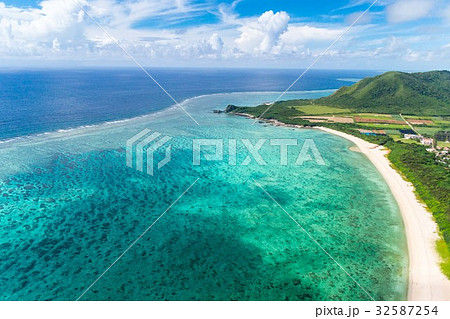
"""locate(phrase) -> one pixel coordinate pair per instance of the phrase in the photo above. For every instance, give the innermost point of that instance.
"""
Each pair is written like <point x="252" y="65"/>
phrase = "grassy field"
<point x="442" y="122"/>
<point x="443" y="144"/>
<point x="320" y="110"/>
<point x="407" y="141"/>
<point x="392" y="132"/>
<point x="377" y="126"/>
<point x="398" y="138"/>
<point x="397" y="117"/>
<point x="374" y="116"/>
<point x="429" y="130"/>
<point x="418" y="117"/>
<point x="443" y="251"/>
<point x="294" y="111"/>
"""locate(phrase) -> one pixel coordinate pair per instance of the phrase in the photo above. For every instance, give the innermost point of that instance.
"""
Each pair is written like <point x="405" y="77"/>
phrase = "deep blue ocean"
<point x="70" y="205"/>
<point x="41" y="101"/>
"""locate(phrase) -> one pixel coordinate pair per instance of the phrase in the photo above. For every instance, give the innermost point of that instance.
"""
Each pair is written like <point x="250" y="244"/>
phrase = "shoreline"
<point x="426" y="282"/>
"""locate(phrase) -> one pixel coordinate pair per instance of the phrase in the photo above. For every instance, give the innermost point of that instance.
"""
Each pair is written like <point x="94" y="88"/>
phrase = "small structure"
<point x="372" y="132"/>
<point x="411" y="137"/>
<point x="427" y="141"/>
<point x="366" y="132"/>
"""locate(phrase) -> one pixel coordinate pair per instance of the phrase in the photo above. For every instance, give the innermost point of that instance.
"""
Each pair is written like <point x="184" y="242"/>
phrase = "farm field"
<point x="443" y="144"/>
<point x="320" y="109"/>
<point x="430" y="131"/>
<point x="391" y="123"/>
<point x="384" y="126"/>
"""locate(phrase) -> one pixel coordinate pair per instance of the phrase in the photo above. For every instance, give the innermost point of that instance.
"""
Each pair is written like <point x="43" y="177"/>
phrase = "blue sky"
<point x="394" y="34"/>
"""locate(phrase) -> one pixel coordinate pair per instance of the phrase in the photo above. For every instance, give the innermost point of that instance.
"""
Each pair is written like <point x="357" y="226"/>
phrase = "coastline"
<point x="426" y="281"/>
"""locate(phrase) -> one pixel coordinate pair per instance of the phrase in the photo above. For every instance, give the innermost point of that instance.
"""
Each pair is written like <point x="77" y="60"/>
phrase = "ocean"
<point x="70" y="206"/>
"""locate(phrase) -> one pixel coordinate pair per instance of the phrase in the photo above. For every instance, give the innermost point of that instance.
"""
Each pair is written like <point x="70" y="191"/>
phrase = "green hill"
<point x="425" y="93"/>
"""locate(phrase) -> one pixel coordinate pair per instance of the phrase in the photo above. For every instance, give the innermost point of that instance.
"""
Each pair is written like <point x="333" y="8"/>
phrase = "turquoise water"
<point x="69" y="206"/>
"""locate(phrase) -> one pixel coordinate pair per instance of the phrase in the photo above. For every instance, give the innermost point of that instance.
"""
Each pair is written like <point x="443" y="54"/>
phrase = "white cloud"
<point x="216" y="43"/>
<point x="363" y="18"/>
<point x="58" y="30"/>
<point x="272" y="35"/>
<point x="205" y="48"/>
<point x="124" y="14"/>
<point x="304" y="34"/>
<point x="56" y="27"/>
<point x="227" y="14"/>
<point x="356" y="3"/>
<point x="31" y="31"/>
<point x="409" y="10"/>
<point x="262" y="35"/>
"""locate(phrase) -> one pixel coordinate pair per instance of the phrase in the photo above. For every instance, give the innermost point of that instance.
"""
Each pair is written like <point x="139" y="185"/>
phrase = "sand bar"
<point x="426" y="281"/>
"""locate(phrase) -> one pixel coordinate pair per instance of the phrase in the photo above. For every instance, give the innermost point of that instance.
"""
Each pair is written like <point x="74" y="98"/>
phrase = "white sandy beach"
<point x="426" y="282"/>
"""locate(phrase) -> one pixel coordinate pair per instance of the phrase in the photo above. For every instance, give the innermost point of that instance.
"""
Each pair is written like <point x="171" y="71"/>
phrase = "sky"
<point x="393" y="34"/>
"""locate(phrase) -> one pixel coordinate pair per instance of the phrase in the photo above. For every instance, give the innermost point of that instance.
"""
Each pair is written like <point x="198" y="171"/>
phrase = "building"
<point x="427" y="141"/>
<point x="411" y="137"/>
<point x="372" y="132"/>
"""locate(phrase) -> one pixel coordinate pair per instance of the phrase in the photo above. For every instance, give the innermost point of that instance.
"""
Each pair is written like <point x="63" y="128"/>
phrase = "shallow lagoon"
<point x="69" y="206"/>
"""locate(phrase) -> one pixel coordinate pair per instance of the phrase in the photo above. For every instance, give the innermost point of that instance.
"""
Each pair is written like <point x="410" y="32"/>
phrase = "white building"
<point x="426" y="141"/>
<point x="411" y="137"/>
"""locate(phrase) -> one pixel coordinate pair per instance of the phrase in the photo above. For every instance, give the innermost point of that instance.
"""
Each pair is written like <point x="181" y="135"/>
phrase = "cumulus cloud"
<point x="58" y="29"/>
<point x="409" y="10"/>
<point x="272" y="34"/>
<point x="262" y="36"/>
<point x="205" y="48"/>
<point x="31" y="31"/>
<point x="216" y="43"/>
<point x="60" y="26"/>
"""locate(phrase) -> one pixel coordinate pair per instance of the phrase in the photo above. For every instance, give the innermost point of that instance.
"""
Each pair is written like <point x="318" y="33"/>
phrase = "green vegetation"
<point x="430" y="179"/>
<point x="407" y="141"/>
<point x="428" y="131"/>
<point x="441" y="121"/>
<point x="397" y="117"/>
<point x="320" y="109"/>
<point x="419" y="117"/>
<point x="375" y="116"/>
<point x="443" y="251"/>
<point x="443" y="144"/>
<point x="390" y="93"/>
<point x="377" y="126"/>
<point x="397" y="92"/>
